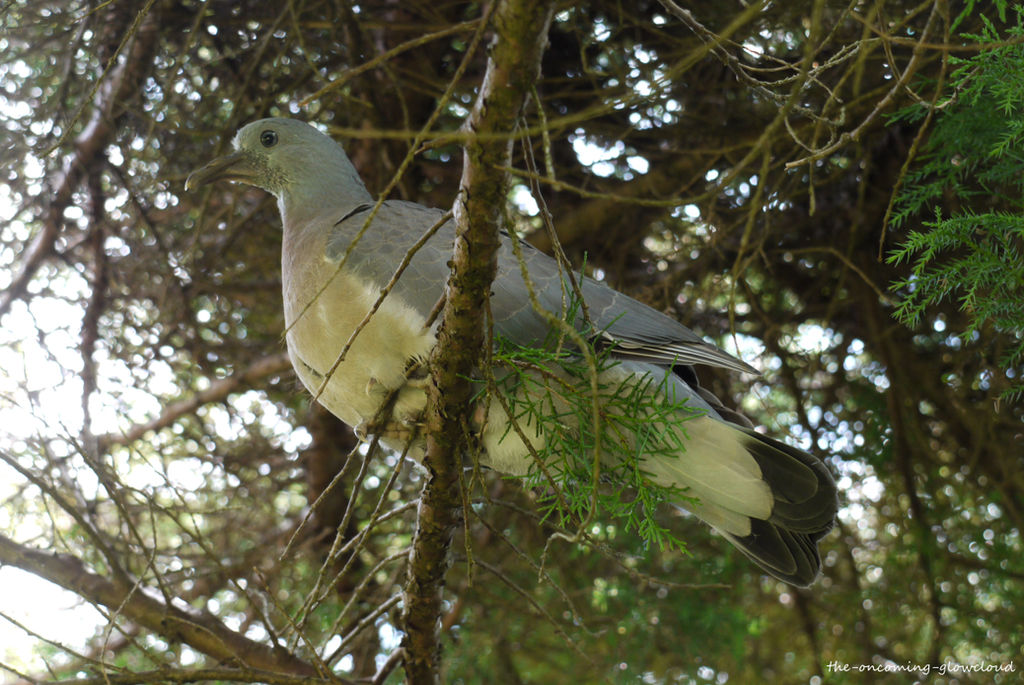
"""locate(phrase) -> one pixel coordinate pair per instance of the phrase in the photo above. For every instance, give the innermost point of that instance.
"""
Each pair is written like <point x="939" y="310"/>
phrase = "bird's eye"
<point x="268" y="138"/>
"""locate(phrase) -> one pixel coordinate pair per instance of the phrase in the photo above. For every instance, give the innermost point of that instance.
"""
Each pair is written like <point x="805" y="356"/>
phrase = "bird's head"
<point x="274" y="154"/>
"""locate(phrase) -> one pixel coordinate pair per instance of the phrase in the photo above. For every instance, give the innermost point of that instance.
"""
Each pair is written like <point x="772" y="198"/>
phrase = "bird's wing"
<point x="395" y="230"/>
<point x="636" y="331"/>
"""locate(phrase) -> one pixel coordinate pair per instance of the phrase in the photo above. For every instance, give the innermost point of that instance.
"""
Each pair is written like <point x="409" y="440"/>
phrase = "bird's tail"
<point x="771" y="500"/>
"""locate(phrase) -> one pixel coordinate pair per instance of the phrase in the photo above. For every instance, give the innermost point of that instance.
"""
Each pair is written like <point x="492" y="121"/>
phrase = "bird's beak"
<point x="234" y="167"/>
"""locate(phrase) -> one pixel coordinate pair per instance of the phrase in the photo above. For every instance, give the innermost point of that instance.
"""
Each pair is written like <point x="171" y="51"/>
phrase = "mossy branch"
<point x="520" y="36"/>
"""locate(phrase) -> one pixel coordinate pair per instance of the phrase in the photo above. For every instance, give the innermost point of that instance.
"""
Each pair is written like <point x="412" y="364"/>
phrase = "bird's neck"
<point x="327" y="188"/>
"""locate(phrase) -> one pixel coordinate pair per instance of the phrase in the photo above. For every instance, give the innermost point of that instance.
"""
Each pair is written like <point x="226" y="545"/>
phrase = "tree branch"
<point x="218" y="390"/>
<point x="200" y="630"/>
<point x="521" y="28"/>
<point x="199" y="675"/>
<point x="124" y="80"/>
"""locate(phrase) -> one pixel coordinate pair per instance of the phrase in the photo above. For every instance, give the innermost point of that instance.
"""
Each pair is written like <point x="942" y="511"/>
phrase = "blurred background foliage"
<point x="784" y="178"/>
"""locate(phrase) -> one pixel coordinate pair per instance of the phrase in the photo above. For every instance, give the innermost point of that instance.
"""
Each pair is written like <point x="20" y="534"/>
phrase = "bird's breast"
<point x="339" y="344"/>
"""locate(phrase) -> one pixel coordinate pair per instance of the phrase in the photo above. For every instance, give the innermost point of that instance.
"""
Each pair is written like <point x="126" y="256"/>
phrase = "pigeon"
<point x="362" y="279"/>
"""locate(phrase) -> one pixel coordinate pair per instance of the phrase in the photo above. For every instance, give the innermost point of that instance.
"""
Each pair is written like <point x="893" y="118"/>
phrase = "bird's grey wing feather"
<point x="396" y="228"/>
<point x="638" y="332"/>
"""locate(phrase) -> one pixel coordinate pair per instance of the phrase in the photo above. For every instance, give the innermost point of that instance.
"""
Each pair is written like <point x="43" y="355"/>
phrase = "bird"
<point x="771" y="500"/>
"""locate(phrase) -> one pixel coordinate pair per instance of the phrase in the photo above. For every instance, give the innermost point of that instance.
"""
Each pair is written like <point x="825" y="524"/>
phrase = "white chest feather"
<point x="323" y="309"/>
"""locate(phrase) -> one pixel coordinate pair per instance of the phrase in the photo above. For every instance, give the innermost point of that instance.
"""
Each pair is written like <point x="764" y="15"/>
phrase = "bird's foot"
<point x="404" y="427"/>
<point x="410" y="400"/>
<point x="395" y="434"/>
